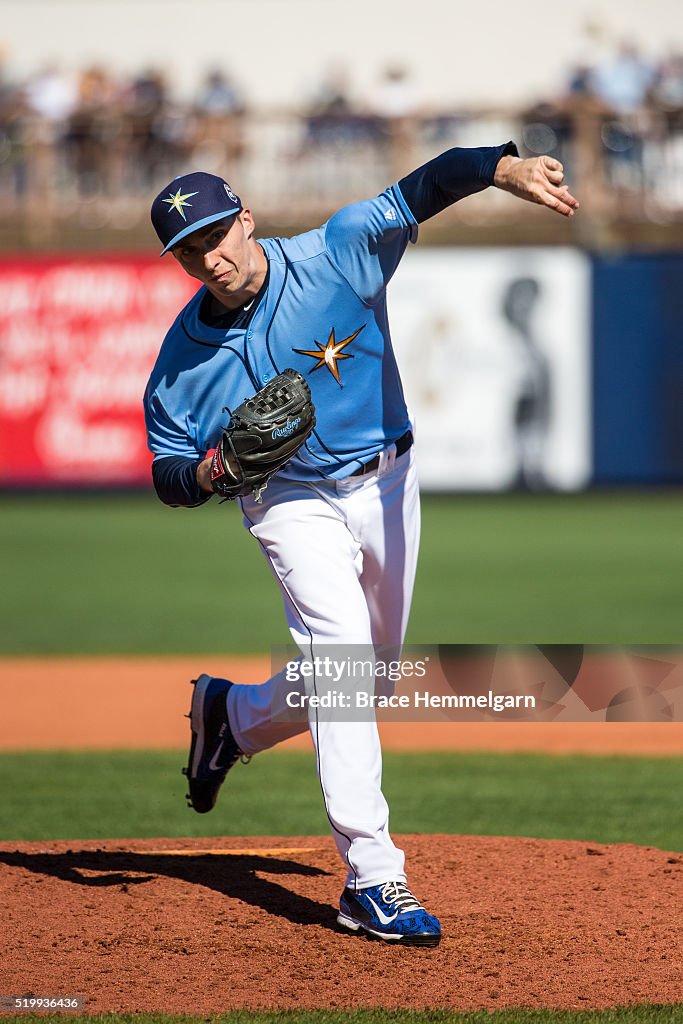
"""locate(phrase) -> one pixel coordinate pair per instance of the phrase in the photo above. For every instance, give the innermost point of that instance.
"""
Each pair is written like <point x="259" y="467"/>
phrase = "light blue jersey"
<point x="324" y="314"/>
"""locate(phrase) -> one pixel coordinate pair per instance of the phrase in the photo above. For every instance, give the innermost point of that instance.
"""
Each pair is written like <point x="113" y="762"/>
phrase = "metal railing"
<point x="99" y="171"/>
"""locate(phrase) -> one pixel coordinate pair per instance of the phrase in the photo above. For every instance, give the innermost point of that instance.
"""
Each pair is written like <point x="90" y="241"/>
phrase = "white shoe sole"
<point x="197" y="719"/>
<point x="355" y="926"/>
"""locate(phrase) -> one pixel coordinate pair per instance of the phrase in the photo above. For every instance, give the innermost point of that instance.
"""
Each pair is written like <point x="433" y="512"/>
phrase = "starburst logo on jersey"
<point x="178" y="202"/>
<point x="328" y="355"/>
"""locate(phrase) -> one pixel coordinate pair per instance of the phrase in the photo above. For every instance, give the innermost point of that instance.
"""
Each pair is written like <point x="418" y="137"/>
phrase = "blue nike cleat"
<point x="213" y="750"/>
<point x="390" y="912"/>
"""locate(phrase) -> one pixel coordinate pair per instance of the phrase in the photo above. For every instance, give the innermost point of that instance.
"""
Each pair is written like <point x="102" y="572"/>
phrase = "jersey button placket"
<point x="257" y="380"/>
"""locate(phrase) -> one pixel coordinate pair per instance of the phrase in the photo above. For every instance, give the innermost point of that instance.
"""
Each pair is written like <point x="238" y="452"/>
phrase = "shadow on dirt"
<point x="238" y="876"/>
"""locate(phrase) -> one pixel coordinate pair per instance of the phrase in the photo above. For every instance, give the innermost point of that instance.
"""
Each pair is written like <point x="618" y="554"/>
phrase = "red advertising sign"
<point x="78" y="338"/>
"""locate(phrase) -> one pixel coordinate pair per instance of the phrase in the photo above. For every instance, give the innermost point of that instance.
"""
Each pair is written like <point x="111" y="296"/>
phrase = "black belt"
<point x="402" y="446"/>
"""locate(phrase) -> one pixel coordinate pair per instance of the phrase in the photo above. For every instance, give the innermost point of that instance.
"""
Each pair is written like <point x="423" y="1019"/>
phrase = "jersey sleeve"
<point x="365" y="241"/>
<point x="175" y="481"/>
<point x="451" y="176"/>
<point x="165" y="436"/>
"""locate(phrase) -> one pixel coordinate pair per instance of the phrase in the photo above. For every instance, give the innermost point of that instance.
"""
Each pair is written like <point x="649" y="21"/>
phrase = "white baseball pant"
<point x="344" y="554"/>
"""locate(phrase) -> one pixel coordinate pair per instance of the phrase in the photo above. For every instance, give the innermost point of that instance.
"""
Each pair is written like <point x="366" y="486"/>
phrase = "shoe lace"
<point x="237" y="756"/>
<point x="399" y="895"/>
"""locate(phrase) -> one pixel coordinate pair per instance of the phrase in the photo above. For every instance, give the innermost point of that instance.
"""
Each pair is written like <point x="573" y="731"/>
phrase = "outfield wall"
<point x="638" y="368"/>
<point x="549" y="369"/>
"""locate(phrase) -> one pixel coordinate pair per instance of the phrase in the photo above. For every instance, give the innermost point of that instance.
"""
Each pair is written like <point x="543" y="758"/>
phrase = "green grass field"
<point x="124" y="574"/>
<point x="127" y="794"/>
<point x="625" y="1015"/>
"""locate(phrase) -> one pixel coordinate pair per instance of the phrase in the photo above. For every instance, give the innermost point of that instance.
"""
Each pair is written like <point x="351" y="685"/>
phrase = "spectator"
<point x="14" y="139"/>
<point x="146" y="102"/>
<point x="579" y="81"/>
<point x="52" y="96"/>
<point x="331" y="97"/>
<point x="90" y="131"/>
<point x="396" y="96"/>
<point x="219" y="96"/>
<point x="219" y="131"/>
<point x="623" y="82"/>
<point x="395" y="102"/>
<point x="667" y="92"/>
<point x="336" y="143"/>
<point x="331" y="119"/>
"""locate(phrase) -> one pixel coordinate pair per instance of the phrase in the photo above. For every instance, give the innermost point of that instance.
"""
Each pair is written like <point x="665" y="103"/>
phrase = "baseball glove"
<point x="262" y="435"/>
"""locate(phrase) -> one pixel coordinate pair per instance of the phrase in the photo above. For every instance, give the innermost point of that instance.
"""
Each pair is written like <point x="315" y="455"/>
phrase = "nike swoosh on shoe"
<point x="380" y="913"/>
<point x="214" y="766"/>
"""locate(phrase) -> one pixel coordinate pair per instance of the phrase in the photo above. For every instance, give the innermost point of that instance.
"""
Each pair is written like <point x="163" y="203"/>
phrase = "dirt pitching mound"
<point x="203" y="926"/>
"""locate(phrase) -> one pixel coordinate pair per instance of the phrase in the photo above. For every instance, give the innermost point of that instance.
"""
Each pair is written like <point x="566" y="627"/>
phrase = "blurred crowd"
<point x="623" y="117"/>
<point x="105" y="130"/>
<point x="617" y="124"/>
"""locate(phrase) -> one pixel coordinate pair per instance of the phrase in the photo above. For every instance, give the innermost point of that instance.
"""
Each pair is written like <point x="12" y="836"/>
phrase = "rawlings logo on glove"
<point x="262" y="435"/>
<point x="288" y="429"/>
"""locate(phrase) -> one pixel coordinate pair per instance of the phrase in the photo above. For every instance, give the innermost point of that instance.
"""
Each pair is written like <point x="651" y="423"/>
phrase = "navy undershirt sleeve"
<point x="451" y="176"/>
<point x="175" y="481"/>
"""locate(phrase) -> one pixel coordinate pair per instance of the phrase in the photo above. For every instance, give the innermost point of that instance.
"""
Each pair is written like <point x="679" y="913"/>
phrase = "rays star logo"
<point x="178" y="202"/>
<point x="329" y="355"/>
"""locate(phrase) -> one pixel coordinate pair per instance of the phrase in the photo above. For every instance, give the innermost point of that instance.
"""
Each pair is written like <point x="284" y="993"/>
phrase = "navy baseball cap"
<point x="191" y="201"/>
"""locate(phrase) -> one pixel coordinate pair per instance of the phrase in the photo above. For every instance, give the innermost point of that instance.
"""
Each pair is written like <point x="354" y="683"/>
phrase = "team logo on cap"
<point x="178" y="202"/>
<point x="230" y="193"/>
<point x="327" y="355"/>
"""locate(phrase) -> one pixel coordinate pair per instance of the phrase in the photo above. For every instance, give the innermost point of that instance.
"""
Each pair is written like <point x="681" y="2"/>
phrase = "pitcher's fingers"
<point x="569" y="199"/>
<point x="554" y="202"/>
<point x="552" y="164"/>
<point x="564" y="195"/>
